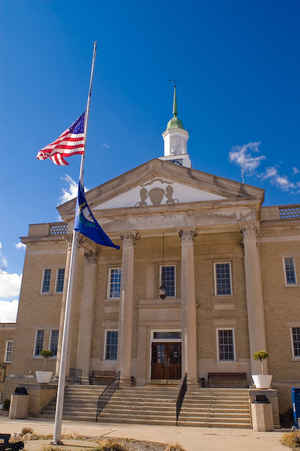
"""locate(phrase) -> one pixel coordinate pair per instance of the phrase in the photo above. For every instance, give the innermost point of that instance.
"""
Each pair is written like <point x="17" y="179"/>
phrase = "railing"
<point x="289" y="212"/>
<point x="105" y="396"/>
<point x="180" y="397"/>
<point x="58" y="229"/>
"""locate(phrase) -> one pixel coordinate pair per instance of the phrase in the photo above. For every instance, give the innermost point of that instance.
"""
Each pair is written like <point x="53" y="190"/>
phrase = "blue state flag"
<point x="86" y="223"/>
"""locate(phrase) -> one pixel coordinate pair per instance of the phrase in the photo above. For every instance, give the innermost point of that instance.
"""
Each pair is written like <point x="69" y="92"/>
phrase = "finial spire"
<point x="174" y="102"/>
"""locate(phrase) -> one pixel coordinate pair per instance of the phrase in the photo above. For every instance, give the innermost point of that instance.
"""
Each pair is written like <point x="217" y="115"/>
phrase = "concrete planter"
<point x="43" y="377"/>
<point x="262" y="380"/>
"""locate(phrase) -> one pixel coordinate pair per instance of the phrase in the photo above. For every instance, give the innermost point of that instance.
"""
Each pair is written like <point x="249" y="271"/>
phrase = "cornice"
<point x="159" y="168"/>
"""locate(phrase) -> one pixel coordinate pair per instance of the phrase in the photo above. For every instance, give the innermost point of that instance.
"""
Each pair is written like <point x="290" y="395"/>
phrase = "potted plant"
<point x="44" y="376"/>
<point x="261" y="380"/>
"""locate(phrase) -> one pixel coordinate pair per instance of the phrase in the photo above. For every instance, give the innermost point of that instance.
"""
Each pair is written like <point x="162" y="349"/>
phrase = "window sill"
<point x="112" y="300"/>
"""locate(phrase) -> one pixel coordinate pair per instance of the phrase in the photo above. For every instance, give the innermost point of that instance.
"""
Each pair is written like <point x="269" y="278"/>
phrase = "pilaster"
<point x="188" y="306"/>
<point x="254" y="294"/>
<point x="127" y="307"/>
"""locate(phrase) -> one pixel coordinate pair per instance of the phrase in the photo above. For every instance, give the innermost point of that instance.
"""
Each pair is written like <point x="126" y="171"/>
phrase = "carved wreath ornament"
<point x="156" y="195"/>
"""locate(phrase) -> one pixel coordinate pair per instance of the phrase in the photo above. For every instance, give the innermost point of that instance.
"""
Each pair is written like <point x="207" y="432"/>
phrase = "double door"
<point x="166" y="360"/>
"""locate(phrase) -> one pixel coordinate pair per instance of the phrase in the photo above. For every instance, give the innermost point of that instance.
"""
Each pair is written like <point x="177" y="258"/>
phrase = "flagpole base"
<point x="56" y="442"/>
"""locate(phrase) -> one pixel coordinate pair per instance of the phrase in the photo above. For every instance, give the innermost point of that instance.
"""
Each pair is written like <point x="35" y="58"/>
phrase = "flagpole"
<point x="70" y="289"/>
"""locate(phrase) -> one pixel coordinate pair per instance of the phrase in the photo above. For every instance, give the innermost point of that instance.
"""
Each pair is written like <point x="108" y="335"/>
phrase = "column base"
<point x="84" y="380"/>
<point x="125" y="381"/>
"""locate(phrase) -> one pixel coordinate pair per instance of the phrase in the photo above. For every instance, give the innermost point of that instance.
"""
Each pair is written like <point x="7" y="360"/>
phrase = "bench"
<point x="5" y="445"/>
<point x="227" y="380"/>
<point x="101" y="377"/>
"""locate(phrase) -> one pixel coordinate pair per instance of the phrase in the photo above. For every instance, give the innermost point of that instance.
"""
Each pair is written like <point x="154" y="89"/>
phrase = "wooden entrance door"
<point x="166" y="361"/>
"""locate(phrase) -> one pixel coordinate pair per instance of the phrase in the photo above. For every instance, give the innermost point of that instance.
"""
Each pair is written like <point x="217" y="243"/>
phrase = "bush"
<point x="110" y="445"/>
<point x="46" y="353"/>
<point x="175" y="447"/>
<point x="291" y="439"/>
<point x="27" y="431"/>
<point x="6" y="404"/>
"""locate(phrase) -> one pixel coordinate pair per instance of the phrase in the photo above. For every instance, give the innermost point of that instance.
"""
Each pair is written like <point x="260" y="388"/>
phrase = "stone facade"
<point x="226" y="224"/>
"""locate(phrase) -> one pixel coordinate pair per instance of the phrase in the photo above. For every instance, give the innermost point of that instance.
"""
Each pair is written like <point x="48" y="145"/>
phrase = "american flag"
<point x="70" y="142"/>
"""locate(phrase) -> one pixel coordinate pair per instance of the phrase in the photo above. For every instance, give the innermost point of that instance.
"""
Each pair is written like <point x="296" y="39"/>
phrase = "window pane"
<point x="39" y="342"/>
<point x="9" y="351"/>
<point x="166" y="335"/>
<point x="226" y="346"/>
<point x="168" y="279"/>
<point x="54" y="341"/>
<point x="296" y="341"/>
<point x="115" y="283"/>
<point x="223" y="279"/>
<point x="60" y="280"/>
<point x="46" y="281"/>
<point x="111" y="349"/>
<point x="290" y="271"/>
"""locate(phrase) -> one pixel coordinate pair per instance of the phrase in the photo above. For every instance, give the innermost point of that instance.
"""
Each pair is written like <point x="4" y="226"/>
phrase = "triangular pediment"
<point x="158" y="191"/>
<point x="158" y="183"/>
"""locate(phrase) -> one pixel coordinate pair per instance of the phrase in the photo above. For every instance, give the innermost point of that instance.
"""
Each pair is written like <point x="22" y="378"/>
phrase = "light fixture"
<point x="162" y="288"/>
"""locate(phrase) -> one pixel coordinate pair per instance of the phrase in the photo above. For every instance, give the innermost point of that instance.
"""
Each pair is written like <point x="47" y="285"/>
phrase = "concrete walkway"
<point x="192" y="439"/>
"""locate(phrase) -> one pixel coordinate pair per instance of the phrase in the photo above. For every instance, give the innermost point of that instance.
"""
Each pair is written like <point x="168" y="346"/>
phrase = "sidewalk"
<point x="192" y="439"/>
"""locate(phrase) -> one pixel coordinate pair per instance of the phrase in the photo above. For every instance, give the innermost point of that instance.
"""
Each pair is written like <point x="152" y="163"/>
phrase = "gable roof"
<point x="210" y="187"/>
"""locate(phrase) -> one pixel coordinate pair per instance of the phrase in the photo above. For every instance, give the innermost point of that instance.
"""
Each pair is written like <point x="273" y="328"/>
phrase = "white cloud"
<point x="20" y="245"/>
<point x="106" y="146"/>
<point x="8" y="311"/>
<point x="3" y="260"/>
<point x="71" y="191"/>
<point x="270" y="173"/>
<point x="284" y="183"/>
<point x="295" y="170"/>
<point x="243" y="157"/>
<point x="281" y="181"/>
<point x="10" y="284"/>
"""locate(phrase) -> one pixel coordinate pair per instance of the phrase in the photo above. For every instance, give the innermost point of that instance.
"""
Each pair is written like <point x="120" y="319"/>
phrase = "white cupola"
<point x="175" y="140"/>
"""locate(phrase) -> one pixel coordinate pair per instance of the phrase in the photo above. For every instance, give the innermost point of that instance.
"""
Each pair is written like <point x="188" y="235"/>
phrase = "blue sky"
<point x="237" y="68"/>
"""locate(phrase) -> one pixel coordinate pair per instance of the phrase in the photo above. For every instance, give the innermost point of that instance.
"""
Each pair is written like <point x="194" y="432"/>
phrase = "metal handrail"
<point x="180" y="397"/>
<point x="106" y="395"/>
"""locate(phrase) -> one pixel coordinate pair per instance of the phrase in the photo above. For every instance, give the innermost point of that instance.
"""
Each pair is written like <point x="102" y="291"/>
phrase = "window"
<point x="60" y="280"/>
<point x="225" y="342"/>
<point x="39" y="342"/>
<point x="114" y="284"/>
<point x="296" y="342"/>
<point x="8" y="357"/>
<point x="111" y="345"/>
<point x="168" y="279"/>
<point x="166" y="335"/>
<point x="46" y="281"/>
<point x="53" y="341"/>
<point x="289" y="271"/>
<point x="223" y="279"/>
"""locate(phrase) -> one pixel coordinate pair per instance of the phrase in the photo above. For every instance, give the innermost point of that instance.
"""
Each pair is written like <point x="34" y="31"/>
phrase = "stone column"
<point x="188" y="306"/>
<point x="254" y="295"/>
<point x="126" y="320"/>
<point x="86" y="317"/>
<point x="63" y="306"/>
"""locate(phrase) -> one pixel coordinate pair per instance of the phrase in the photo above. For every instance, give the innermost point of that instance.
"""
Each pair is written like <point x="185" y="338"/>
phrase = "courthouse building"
<point x="206" y="276"/>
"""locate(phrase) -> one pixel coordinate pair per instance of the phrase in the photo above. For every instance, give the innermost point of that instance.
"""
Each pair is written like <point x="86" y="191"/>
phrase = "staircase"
<point x="79" y="403"/>
<point x="216" y="407"/>
<point x="207" y="407"/>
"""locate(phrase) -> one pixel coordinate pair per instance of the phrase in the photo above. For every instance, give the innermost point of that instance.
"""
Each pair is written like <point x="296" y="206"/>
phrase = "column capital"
<point x="130" y="238"/>
<point x="187" y="236"/>
<point x="91" y="256"/>
<point x="249" y="229"/>
<point x="69" y="239"/>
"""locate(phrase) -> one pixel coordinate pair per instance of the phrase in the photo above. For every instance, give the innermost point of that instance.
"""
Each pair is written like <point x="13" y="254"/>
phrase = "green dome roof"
<point x="174" y="123"/>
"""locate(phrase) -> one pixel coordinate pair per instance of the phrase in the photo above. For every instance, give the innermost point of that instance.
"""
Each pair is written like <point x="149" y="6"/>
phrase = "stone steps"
<point x="157" y="405"/>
